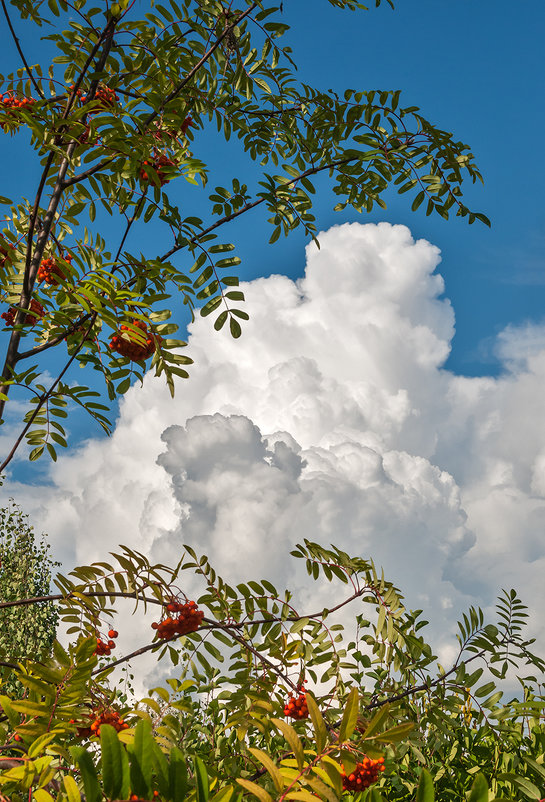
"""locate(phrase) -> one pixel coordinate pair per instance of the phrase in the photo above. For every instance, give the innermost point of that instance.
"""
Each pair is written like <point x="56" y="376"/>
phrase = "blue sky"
<point x="346" y="426"/>
<point x="474" y="68"/>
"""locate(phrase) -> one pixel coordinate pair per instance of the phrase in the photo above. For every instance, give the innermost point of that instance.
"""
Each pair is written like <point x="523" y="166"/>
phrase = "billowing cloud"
<point x="332" y="418"/>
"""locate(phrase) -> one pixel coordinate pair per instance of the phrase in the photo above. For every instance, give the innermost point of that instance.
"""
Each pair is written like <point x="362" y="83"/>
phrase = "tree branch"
<point x="198" y="65"/>
<point x="15" y="38"/>
<point x="253" y="204"/>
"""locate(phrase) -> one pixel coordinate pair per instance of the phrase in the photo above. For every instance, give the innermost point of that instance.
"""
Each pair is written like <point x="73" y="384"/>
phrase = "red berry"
<point x="126" y="344"/>
<point x="50" y="271"/>
<point x="163" y="167"/>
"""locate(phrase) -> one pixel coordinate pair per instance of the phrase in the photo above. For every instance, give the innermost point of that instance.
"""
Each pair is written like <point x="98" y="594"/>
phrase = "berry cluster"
<point x="77" y="334"/>
<point x="84" y="136"/>
<point x="296" y="707"/>
<point x="104" y="95"/>
<point x="365" y="774"/>
<point x="125" y="345"/>
<point x="186" y="124"/>
<point x="163" y="167"/>
<point x="108" y="717"/>
<point x="79" y="93"/>
<point x="161" y="133"/>
<point x="11" y="102"/>
<point x="6" y="252"/>
<point x="29" y="320"/>
<point x="50" y="270"/>
<point x="188" y="620"/>
<point x="106" y="646"/>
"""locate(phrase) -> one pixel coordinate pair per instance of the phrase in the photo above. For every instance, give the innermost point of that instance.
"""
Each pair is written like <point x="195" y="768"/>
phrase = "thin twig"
<point x="15" y="38"/>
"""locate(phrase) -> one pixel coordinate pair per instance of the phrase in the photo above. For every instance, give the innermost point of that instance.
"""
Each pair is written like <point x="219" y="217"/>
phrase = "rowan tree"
<point x="118" y="121"/>
<point x="265" y="701"/>
<point x="262" y="700"/>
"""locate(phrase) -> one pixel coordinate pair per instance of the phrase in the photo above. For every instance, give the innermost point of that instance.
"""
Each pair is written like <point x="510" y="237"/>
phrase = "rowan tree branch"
<point x="191" y="74"/>
<point x="33" y="258"/>
<point x="15" y="38"/>
<point x="229" y="217"/>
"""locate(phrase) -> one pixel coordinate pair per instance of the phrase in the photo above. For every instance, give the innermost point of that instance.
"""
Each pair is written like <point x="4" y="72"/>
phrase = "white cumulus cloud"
<point x="332" y="418"/>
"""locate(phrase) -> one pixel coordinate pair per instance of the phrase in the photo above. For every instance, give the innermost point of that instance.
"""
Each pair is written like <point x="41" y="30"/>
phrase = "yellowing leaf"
<point x="255" y="789"/>
<point x="376" y="722"/>
<point x="325" y="791"/>
<point x="320" y="732"/>
<point x="41" y="795"/>
<point x="305" y="796"/>
<point x="350" y="715"/>
<point x="71" y="789"/>
<point x="270" y="766"/>
<point x="292" y="738"/>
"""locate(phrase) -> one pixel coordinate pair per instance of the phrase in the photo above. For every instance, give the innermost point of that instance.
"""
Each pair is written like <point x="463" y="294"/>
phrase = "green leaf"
<point x="112" y="762"/>
<point x="38" y="746"/>
<point x="202" y="786"/>
<point x="161" y="767"/>
<point x="376" y="722"/>
<point x="320" y="731"/>
<point x="350" y="715"/>
<point x="418" y="200"/>
<point x="529" y="789"/>
<point x="93" y="792"/>
<point x="141" y="759"/>
<point x="234" y="325"/>
<point x="10" y="712"/>
<point x="395" y="734"/>
<point x="484" y="690"/>
<point x="177" y="774"/>
<point x="425" y="792"/>
<point x="36" y="453"/>
<point x="220" y="320"/>
<point x="479" y="789"/>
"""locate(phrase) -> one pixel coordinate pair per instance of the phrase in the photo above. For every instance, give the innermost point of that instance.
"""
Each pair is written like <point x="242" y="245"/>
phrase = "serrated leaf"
<point x="93" y="792"/>
<point x="479" y="789"/>
<point x="269" y="765"/>
<point x="350" y="715"/>
<point x="202" y="786"/>
<point x="425" y="791"/>
<point x="292" y="738"/>
<point x="71" y="789"/>
<point x="141" y="759"/>
<point x="112" y="765"/>
<point x="320" y="731"/>
<point x="256" y="790"/>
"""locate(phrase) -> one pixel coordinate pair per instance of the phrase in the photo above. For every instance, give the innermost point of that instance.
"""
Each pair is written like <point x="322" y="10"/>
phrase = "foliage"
<point x="25" y="572"/>
<point x="121" y="120"/>
<point x="218" y="730"/>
